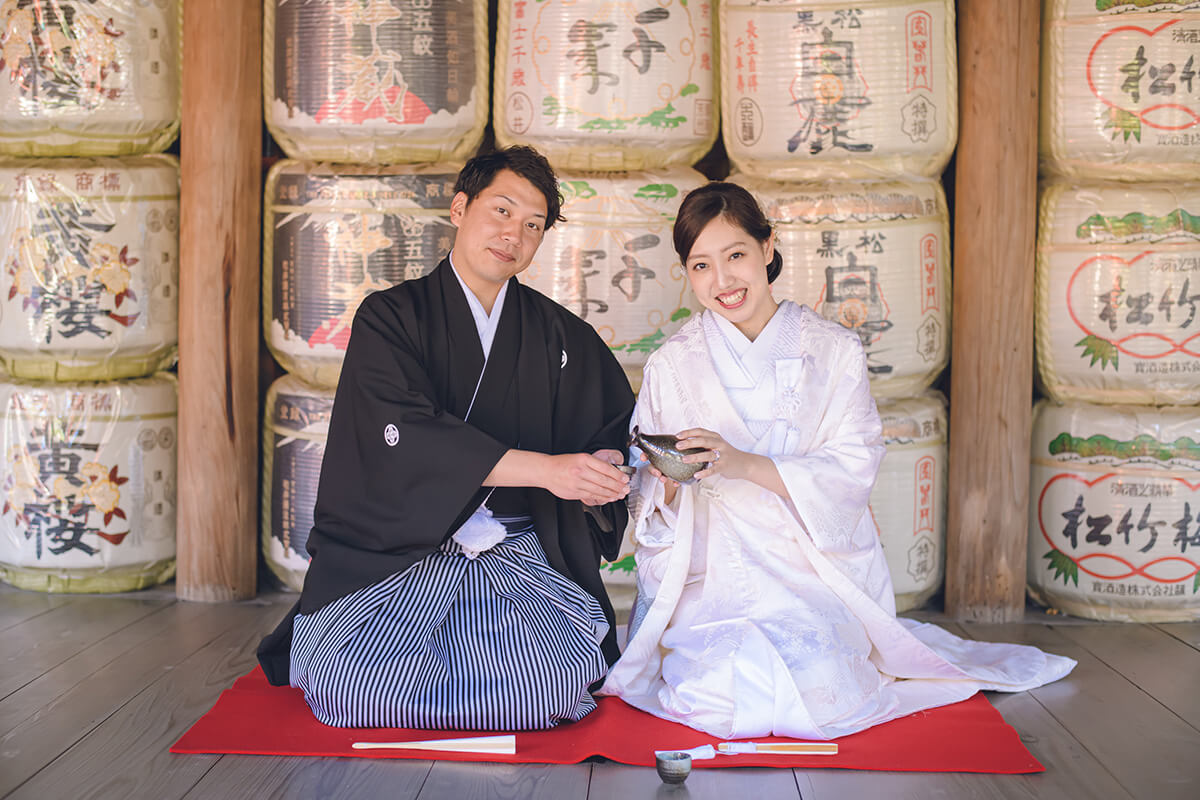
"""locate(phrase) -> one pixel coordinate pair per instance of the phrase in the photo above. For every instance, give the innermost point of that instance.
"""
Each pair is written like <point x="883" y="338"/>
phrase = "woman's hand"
<point x="729" y="462"/>
<point x="669" y="486"/>
<point x="722" y="457"/>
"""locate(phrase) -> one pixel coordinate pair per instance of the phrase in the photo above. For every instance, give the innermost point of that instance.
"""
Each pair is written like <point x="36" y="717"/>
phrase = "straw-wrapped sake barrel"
<point x="613" y="263"/>
<point x="89" y="267"/>
<point x="331" y="235"/>
<point x="295" y="427"/>
<point x="829" y="91"/>
<point x="908" y="502"/>
<point x="88" y="481"/>
<point x="876" y="258"/>
<point x="607" y="85"/>
<point x="1114" y="512"/>
<point x="91" y="78"/>
<point x="1118" y="291"/>
<point x="381" y="81"/>
<point x="1120" y="97"/>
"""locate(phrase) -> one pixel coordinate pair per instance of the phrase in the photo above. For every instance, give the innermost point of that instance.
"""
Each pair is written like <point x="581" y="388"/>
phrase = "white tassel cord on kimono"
<point x="758" y="614"/>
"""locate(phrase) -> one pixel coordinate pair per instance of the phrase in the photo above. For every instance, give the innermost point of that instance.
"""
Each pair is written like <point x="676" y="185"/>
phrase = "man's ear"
<point x="458" y="207"/>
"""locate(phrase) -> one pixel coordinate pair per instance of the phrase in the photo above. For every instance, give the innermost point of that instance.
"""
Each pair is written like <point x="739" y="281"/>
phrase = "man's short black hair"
<point x="531" y="165"/>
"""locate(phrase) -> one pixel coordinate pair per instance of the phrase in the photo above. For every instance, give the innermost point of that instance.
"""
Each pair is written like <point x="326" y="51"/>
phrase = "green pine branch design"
<point x="578" y="190"/>
<point x="660" y="118"/>
<point x="1108" y="5"/>
<point x="1122" y="122"/>
<point x="600" y="124"/>
<point x="1141" y="446"/>
<point x="626" y="564"/>
<point x="647" y="344"/>
<point x="657" y="191"/>
<point x="1138" y="224"/>
<point x="1100" y="350"/>
<point x="1063" y="566"/>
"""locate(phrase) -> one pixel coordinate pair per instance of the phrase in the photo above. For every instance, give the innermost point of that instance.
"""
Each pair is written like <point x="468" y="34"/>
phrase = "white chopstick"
<point x="793" y="748"/>
<point x="505" y="745"/>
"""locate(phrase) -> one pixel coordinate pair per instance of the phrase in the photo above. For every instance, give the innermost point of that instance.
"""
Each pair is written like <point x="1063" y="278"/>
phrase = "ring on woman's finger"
<point x="716" y="454"/>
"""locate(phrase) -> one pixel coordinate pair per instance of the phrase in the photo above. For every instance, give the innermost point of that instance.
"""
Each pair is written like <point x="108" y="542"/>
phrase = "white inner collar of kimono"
<point x="484" y="323"/>
<point x="749" y="359"/>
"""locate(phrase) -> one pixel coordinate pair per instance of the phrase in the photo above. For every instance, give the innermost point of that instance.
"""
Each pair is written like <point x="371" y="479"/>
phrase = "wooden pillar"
<point x="219" y="246"/>
<point x="992" y="369"/>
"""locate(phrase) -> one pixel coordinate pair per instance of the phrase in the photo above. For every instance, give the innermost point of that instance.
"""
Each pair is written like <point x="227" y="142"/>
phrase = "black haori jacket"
<point x="402" y="470"/>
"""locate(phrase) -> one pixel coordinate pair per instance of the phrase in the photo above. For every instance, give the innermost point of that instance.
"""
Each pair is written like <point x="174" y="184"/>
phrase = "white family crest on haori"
<point x="759" y="614"/>
<point x="391" y="435"/>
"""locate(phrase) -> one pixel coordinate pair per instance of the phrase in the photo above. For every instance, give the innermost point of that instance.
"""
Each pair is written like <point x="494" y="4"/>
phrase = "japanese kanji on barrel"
<point x="89" y="265"/>
<point x="605" y="85"/>
<point x="331" y="235"/>
<point x="88" y="78"/>
<point x="1118" y="285"/>
<point x="1120" y="96"/>
<point x="908" y="502"/>
<point x="876" y="258"/>
<point x="88" y="480"/>
<point x="823" y="90"/>
<point x="381" y="81"/>
<point x="613" y="263"/>
<point x="296" y="423"/>
<point x="1114" y="512"/>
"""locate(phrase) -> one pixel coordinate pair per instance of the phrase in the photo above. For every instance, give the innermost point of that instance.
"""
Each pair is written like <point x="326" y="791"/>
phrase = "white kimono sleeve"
<point x="652" y="520"/>
<point x="829" y="475"/>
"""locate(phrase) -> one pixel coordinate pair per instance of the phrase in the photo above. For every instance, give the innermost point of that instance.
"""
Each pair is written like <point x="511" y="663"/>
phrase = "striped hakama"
<point x="498" y="642"/>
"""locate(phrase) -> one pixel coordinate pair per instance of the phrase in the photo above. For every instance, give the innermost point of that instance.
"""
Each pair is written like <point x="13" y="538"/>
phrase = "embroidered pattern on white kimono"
<point x="761" y="615"/>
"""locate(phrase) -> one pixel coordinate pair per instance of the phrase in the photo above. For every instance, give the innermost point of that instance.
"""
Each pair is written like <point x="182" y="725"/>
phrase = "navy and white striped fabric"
<point x="498" y="642"/>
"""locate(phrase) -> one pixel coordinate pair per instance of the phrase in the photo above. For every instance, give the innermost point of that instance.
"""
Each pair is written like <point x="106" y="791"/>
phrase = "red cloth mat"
<point x="256" y="718"/>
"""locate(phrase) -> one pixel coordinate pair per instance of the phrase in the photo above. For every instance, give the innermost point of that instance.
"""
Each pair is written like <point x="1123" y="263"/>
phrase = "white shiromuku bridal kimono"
<point x="758" y="614"/>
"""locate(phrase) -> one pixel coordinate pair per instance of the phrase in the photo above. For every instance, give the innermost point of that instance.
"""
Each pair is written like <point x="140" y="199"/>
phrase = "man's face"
<point x="498" y="231"/>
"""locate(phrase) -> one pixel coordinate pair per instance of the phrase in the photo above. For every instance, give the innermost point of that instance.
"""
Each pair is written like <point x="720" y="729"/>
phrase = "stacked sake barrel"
<point x="88" y="294"/>
<point x="840" y="121"/>
<point x="377" y="105"/>
<point x="1115" y="478"/>
<point x="622" y="101"/>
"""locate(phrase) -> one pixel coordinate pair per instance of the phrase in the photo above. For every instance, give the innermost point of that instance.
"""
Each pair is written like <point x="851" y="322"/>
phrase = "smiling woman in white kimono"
<point x="764" y="602"/>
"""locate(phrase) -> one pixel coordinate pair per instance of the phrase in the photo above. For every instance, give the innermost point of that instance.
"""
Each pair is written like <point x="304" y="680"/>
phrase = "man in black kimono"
<point x="412" y="613"/>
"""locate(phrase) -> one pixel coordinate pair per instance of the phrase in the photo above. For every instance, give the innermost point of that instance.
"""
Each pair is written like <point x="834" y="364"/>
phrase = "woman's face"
<point x="727" y="268"/>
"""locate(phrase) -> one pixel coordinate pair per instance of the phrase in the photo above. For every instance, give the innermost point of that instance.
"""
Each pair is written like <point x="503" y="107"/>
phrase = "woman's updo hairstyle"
<point x="722" y="199"/>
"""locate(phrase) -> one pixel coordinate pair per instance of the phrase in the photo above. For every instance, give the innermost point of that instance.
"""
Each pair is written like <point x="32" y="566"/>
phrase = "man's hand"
<point x="594" y="479"/>
<point x="571" y="476"/>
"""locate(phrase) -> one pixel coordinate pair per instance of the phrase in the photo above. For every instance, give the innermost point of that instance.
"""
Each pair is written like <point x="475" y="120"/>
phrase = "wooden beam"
<point x="991" y="380"/>
<point x="219" y="245"/>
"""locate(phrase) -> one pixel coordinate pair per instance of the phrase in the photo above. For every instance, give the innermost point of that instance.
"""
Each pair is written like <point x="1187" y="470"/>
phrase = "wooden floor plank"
<point x="43" y="642"/>
<point x="16" y="605"/>
<point x="1150" y="658"/>
<point x="82" y="666"/>
<point x="1097" y="732"/>
<point x="464" y="780"/>
<point x="53" y="712"/>
<point x="1148" y="749"/>
<point x="1186" y="632"/>
<point x="1071" y="772"/>
<point x="312" y="778"/>
<point x="612" y="781"/>
<point x="126" y="755"/>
